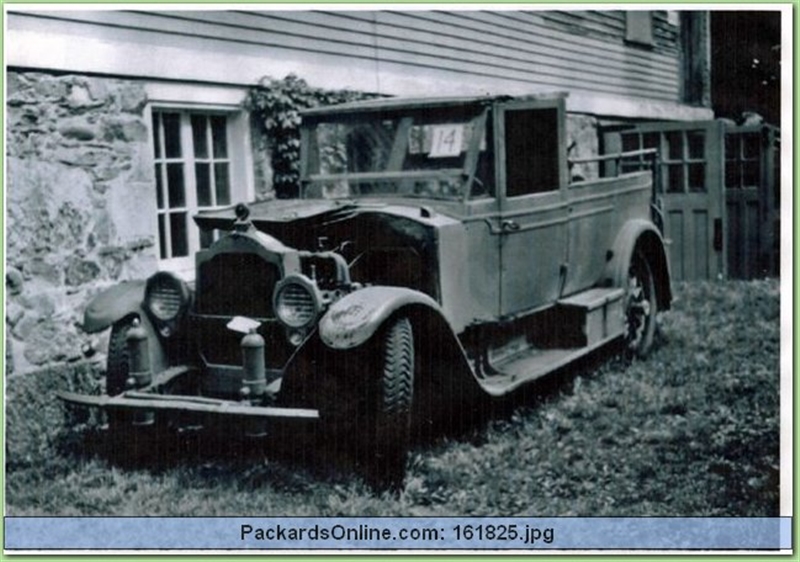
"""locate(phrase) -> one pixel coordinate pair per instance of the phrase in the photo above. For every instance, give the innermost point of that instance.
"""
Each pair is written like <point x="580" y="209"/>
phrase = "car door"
<point x="531" y="175"/>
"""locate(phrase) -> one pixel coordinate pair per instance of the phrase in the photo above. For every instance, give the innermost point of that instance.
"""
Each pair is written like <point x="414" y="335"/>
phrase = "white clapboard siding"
<point x="555" y="50"/>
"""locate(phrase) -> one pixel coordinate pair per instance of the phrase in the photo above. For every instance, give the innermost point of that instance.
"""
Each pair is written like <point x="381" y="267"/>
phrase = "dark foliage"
<point x="276" y="104"/>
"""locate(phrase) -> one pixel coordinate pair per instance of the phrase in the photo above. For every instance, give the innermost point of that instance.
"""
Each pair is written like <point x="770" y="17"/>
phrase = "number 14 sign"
<point x="447" y="141"/>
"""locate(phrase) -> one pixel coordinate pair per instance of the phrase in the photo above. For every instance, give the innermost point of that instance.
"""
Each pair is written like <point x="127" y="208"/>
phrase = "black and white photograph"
<point x="398" y="261"/>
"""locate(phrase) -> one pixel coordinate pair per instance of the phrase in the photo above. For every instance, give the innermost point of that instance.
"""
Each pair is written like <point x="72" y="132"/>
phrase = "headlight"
<point x="296" y="301"/>
<point x="166" y="296"/>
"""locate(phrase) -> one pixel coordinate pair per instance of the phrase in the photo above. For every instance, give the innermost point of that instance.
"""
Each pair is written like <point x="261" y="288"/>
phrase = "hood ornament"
<point x="242" y="223"/>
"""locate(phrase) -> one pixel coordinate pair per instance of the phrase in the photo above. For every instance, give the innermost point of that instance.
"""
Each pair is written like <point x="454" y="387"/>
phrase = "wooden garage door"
<point x="752" y="196"/>
<point x="690" y="188"/>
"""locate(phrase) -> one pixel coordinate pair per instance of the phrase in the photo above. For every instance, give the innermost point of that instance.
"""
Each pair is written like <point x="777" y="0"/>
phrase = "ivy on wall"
<point x="276" y="105"/>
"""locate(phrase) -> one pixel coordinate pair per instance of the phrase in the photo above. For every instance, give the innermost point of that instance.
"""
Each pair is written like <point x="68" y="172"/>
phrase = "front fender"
<point x="337" y="357"/>
<point x="112" y="305"/>
<point x="355" y="318"/>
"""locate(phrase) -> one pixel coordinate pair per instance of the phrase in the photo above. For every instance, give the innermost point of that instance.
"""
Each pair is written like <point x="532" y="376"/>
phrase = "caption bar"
<point x="395" y="533"/>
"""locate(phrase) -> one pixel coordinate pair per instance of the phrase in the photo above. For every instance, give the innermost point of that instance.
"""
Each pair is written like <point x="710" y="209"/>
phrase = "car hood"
<point x="317" y="211"/>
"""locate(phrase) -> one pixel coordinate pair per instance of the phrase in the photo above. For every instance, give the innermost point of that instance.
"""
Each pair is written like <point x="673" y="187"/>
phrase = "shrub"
<point x="276" y="104"/>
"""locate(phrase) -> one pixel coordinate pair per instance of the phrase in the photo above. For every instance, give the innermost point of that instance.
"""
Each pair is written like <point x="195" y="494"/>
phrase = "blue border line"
<point x="397" y="533"/>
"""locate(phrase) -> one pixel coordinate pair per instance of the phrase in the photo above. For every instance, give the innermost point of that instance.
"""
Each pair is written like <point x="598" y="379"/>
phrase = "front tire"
<point x="128" y="444"/>
<point x="117" y="368"/>
<point x="364" y="397"/>
<point x="391" y="399"/>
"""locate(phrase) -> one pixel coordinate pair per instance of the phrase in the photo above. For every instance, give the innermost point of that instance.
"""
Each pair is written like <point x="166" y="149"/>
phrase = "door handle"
<point x="509" y="226"/>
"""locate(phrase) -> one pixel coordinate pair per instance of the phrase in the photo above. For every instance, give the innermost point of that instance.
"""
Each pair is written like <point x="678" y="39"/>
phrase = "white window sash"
<point x="238" y="161"/>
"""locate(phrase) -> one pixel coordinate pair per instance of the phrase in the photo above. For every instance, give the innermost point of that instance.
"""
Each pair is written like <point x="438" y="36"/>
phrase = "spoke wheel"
<point x="640" y="307"/>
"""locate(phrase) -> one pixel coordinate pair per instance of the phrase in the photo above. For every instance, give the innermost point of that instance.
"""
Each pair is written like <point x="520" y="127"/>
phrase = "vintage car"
<point x="437" y="251"/>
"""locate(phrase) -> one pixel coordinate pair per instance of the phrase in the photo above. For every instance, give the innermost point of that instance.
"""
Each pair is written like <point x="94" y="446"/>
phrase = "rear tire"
<point x="641" y="307"/>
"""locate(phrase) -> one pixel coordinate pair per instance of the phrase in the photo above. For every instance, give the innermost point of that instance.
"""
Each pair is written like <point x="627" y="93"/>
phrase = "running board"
<point x="583" y="322"/>
<point x="533" y="364"/>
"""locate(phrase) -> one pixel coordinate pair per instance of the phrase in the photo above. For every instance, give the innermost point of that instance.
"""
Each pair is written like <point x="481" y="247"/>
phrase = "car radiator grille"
<point x="236" y="285"/>
<point x="221" y="346"/>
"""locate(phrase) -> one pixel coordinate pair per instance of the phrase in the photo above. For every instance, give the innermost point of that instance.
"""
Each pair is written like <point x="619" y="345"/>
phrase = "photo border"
<point x="789" y="209"/>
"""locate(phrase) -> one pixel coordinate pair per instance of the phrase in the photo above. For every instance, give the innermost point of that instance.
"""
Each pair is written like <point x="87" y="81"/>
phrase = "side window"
<point x="193" y="170"/>
<point x="532" y="151"/>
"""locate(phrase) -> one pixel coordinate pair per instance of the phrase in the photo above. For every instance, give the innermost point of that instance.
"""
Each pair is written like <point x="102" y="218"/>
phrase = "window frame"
<point x="239" y="160"/>
<point x="501" y="157"/>
<point x="674" y="166"/>
<point x="739" y="164"/>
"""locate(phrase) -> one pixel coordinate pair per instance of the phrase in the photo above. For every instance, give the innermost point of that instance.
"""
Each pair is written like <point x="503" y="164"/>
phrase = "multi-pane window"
<point x="193" y="172"/>
<point x="685" y="166"/>
<point x="742" y="159"/>
<point x="635" y="142"/>
<point x="683" y="158"/>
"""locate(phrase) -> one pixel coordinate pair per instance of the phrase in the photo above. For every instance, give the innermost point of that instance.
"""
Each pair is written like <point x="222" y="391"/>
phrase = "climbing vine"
<point x="276" y="104"/>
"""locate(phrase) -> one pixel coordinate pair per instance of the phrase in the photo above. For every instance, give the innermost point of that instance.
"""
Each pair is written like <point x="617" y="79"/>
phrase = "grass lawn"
<point x="691" y="431"/>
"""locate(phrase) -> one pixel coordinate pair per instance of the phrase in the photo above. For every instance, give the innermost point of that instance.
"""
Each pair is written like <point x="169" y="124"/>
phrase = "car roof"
<point x="393" y="103"/>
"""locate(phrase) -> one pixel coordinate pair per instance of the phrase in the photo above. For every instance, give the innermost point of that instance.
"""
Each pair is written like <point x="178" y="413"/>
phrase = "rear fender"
<point x="354" y="319"/>
<point x="113" y="305"/>
<point x="640" y="234"/>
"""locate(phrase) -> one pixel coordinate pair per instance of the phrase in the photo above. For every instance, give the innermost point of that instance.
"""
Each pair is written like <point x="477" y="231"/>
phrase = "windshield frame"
<point x="475" y="117"/>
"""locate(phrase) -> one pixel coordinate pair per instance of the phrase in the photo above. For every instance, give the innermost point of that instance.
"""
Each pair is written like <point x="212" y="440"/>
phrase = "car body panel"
<point x="531" y="178"/>
<point x="596" y="211"/>
<point x="633" y="233"/>
<point x="112" y="305"/>
<point x="355" y="318"/>
<point x="527" y="283"/>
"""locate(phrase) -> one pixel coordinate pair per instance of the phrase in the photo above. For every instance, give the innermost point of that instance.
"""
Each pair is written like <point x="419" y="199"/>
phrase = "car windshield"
<point x="427" y="154"/>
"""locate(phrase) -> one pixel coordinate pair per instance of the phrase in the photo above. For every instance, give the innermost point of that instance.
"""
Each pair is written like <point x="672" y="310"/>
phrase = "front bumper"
<point x="145" y="401"/>
<point x="156" y="396"/>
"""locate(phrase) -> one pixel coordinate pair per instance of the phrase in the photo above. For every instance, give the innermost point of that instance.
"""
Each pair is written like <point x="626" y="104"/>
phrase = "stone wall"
<point x="80" y="207"/>
<point x="262" y="164"/>
<point x="583" y="142"/>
